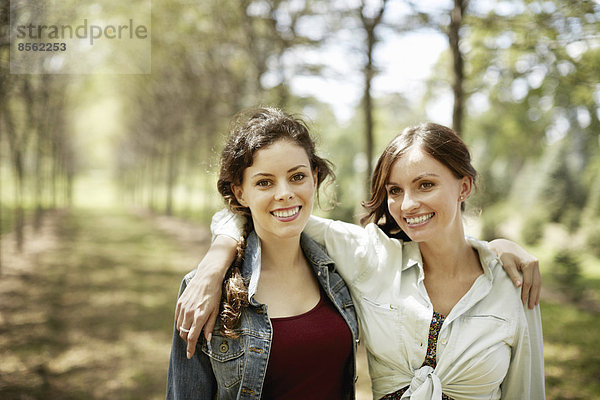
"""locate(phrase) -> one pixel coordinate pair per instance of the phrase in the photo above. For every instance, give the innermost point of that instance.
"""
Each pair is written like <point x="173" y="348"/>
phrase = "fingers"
<point x="179" y="315"/>
<point x="192" y="340"/>
<point x="192" y="335"/>
<point x="536" y="289"/>
<point x="210" y="324"/>
<point x="196" y="321"/>
<point x="184" y="322"/>
<point x="177" y="310"/>
<point x="527" y="282"/>
<point x="192" y="324"/>
<point x="514" y="274"/>
<point x="532" y="284"/>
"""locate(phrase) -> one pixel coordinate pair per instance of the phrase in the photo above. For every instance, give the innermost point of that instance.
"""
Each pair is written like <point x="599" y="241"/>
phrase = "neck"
<point x="282" y="253"/>
<point x="447" y="254"/>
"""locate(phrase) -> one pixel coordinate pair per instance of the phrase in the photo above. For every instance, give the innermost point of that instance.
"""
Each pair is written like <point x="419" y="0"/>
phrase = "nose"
<point x="409" y="201"/>
<point x="284" y="192"/>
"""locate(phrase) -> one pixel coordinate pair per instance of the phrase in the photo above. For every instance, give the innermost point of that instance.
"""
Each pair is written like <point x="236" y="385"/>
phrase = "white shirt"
<point x="489" y="347"/>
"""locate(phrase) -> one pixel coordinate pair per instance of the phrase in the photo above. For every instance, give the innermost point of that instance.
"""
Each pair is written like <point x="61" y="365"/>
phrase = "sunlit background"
<point x="107" y="172"/>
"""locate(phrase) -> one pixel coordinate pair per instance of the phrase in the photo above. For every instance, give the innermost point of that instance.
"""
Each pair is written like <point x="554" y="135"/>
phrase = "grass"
<point x="571" y="352"/>
<point x="7" y="219"/>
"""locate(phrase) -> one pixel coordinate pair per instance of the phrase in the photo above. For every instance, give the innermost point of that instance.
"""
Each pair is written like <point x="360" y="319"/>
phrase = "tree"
<point x="369" y="24"/>
<point x="456" y="21"/>
<point x="32" y="109"/>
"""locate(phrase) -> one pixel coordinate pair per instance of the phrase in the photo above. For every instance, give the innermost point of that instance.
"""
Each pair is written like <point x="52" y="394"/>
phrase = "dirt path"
<point x="86" y="312"/>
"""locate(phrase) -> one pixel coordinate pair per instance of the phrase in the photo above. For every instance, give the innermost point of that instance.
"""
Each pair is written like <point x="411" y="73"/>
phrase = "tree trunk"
<point x="369" y="25"/>
<point x="368" y="110"/>
<point x="456" y="19"/>
<point x="171" y="178"/>
<point x="16" y="152"/>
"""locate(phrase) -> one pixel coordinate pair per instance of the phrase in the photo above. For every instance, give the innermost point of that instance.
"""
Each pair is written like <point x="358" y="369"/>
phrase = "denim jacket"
<point x="227" y="368"/>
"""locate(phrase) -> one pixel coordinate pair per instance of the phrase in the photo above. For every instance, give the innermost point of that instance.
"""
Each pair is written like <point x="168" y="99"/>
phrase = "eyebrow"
<point x="425" y="175"/>
<point x="288" y="171"/>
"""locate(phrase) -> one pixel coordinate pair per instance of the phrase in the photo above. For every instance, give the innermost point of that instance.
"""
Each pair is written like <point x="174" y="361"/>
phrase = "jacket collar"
<point x="251" y="265"/>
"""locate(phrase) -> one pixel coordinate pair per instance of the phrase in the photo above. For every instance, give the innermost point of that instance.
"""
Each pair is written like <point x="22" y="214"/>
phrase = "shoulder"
<point x="493" y="270"/>
<point x="314" y="252"/>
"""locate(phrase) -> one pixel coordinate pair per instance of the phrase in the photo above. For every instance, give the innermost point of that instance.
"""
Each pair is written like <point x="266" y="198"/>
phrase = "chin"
<point x="415" y="236"/>
<point x="290" y="230"/>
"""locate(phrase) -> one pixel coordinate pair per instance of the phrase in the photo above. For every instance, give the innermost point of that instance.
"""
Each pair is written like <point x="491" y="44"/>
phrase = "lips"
<point x="419" y="220"/>
<point x="286" y="213"/>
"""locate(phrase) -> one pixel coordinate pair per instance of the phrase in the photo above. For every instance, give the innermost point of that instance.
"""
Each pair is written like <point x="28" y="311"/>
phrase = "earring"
<point x="462" y="198"/>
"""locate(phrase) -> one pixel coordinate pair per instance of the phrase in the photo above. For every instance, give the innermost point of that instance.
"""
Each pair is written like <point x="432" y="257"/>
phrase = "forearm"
<point x="218" y="258"/>
<point x="198" y="305"/>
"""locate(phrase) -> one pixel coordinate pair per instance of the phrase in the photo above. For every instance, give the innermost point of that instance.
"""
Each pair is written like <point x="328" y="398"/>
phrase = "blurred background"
<point x="108" y="179"/>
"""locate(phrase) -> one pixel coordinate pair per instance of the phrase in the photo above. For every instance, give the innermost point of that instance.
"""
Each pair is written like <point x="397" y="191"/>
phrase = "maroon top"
<point x="309" y="354"/>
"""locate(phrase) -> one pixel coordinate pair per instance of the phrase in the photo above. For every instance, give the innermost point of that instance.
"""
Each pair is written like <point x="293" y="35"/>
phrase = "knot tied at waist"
<point x="425" y="385"/>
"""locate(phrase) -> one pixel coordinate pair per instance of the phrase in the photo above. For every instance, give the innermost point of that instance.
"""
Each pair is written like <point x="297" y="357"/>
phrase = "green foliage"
<point x="592" y="206"/>
<point x="592" y="240"/>
<point x="532" y="230"/>
<point x="566" y="271"/>
<point x="549" y="190"/>
<point x="491" y="219"/>
<point x="571" y="218"/>
<point x="559" y="189"/>
<point x="534" y="73"/>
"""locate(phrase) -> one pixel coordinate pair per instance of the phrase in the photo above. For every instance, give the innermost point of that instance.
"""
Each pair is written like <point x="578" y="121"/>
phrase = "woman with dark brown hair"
<point x="440" y="317"/>
<point x="287" y="327"/>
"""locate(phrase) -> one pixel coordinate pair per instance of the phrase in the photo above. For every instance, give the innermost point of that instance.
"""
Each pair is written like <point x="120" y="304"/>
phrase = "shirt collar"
<point x="489" y="261"/>
<point x="412" y="256"/>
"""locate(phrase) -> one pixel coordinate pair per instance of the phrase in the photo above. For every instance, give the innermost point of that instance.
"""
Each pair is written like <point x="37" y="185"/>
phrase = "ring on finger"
<point x="182" y="329"/>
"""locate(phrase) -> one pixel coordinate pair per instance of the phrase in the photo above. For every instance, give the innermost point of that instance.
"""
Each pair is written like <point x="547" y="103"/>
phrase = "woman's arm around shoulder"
<point x="198" y="306"/>
<point x="522" y="268"/>
<point x="354" y="249"/>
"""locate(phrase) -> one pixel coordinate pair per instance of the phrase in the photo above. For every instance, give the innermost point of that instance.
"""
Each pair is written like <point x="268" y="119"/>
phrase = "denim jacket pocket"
<point x="226" y="358"/>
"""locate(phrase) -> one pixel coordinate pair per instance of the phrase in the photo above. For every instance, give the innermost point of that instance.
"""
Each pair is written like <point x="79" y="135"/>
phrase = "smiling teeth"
<point x="419" y="220"/>
<point x="286" y="213"/>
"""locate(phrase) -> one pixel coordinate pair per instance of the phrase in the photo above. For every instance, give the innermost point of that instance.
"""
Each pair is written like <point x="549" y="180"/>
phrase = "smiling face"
<point x="424" y="196"/>
<point x="279" y="189"/>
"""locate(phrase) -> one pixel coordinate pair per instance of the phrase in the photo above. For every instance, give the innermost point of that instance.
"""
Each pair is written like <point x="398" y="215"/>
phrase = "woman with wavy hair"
<point x="287" y="327"/>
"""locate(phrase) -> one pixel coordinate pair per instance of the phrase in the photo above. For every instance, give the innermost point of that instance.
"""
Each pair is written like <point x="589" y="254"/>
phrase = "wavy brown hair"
<point x="249" y="132"/>
<point x="440" y="142"/>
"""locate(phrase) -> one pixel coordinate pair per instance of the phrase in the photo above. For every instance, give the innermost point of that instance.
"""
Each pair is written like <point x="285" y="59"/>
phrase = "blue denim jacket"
<point x="229" y="368"/>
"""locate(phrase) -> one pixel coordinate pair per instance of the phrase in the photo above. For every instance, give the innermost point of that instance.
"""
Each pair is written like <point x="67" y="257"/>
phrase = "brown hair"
<point x="249" y="132"/>
<point x="440" y="142"/>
